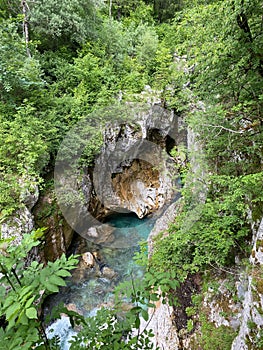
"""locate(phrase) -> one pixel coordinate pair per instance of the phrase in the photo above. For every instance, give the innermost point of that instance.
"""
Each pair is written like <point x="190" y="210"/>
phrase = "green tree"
<point x="20" y="75"/>
<point x="61" y="21"/>
<point x="23" y="154"/>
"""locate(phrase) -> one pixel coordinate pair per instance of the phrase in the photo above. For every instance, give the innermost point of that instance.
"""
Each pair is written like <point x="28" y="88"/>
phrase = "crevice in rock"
<point x="183" y="296"/>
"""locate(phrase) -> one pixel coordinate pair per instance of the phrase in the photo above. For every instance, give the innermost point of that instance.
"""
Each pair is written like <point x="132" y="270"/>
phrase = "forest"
<point x="63" y="61"/>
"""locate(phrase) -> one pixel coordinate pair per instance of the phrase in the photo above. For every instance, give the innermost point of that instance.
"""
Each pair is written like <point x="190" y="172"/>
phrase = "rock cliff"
<point x="251" y="286"/>
<point x="22" y="220"/>
<point x="134" y="171"/>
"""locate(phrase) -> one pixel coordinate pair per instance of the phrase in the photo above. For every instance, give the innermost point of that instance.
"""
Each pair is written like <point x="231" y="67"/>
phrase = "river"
<point x="89" y="289"/>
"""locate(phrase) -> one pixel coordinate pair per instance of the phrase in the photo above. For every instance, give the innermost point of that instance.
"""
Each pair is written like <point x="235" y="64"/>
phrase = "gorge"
<point x="123" y="121"/>
<point x="132" y="184"/>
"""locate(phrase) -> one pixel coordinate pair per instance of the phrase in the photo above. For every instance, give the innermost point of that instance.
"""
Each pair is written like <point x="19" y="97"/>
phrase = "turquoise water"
<point x="89" y="289"/>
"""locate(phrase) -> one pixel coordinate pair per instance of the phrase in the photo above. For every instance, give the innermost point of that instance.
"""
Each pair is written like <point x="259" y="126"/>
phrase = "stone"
<point x="88" y="259"/>
<point x="257" y="256"/>
<point x="100" y="234"/>
<point x="161" y="318"/>
<point x="59" y="233"/>
<point x="162" y="223"/>
<point x="29" y="192"/>
<point x="107" y="272"/>
<point x="165" y="333"/>
<point x="73" y="307"/>
<point x="21" y="222"/>
<point x="252" y="296"/>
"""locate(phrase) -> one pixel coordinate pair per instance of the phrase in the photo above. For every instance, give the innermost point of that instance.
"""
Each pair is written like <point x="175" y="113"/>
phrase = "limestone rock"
<point x="251" y="314"/>
<point x="257" y="250"/>
<point x="107" y="272"/>
<point x="59" y="234"/>
<point x="73" y="307"/>
<point x="19" y="223"/>
<point x="88" y="259"/>
<point x="29" y="192"/>
<point x="134" y="171"/>
<point x="165" y="333"/>
<point x="100" y="234"/>
<point x="163" y="222"/>
<point x="22" y="220"/>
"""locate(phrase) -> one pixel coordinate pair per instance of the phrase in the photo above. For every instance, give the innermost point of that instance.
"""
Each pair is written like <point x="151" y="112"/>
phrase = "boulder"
<point x="73" y="307"/>
<point x="107" y="272"/>
<point x="100" y="234"/>
<point x="88" y="259"/>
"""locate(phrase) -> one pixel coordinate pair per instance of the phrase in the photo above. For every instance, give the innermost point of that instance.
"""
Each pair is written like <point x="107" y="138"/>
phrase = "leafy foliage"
<point x="20" y="75"/>
<point x="111" y="329"/>
<point x="62" y="20"/>
<point x="23" y="155"/>
<point x="119" y="329"/>
<point x="23" y="289"/>
<point x="216" y="47"/>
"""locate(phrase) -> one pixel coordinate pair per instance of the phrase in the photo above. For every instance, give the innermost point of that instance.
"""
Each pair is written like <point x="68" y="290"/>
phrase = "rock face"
<point x="22" y="220"/>
<point x="59" y="234"/>
<point x="134" y="171"/>
<point x="139" y="188"/>
<point x="233" y="303"/>
<point x="165" y="332"/>
<point x="163" y="223"/>
<point x="251" y="286"/>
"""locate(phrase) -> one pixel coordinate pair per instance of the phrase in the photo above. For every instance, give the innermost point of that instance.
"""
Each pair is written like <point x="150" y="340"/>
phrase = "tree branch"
<point x="223" y="128"/>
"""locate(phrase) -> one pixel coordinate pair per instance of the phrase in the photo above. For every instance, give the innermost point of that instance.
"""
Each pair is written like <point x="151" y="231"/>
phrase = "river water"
<point x="88" y="289"/>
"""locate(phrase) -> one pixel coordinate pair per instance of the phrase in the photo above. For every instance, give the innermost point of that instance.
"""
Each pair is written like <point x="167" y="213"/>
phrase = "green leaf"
<point x="12" y="310"/>
<point x="63" y="273"/>
<point x="22" y="318"/>
<point x="29" y="302"/>
<point x="24" y="291"/>
<point x="9" y="300"/>
<point x="56" y="280"/>
<point x="154" y="297"/>
<point x="145" y="315"/>
<point x="31" y="313"/>
<point x="137" y="322"/>
<point x="51" y="288"/>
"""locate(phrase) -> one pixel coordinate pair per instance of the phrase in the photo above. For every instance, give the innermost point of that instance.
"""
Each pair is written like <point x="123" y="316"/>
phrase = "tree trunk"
<point x="110" y="7"/>
<point x="25" y="9"/>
